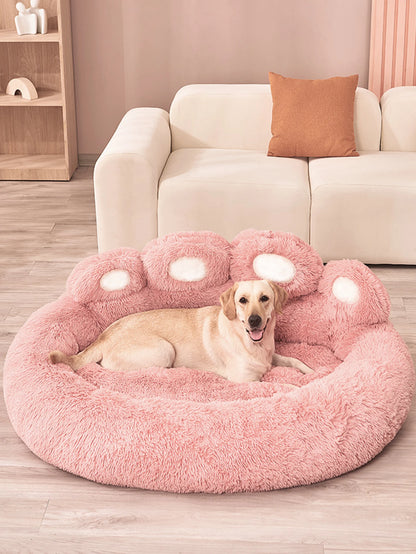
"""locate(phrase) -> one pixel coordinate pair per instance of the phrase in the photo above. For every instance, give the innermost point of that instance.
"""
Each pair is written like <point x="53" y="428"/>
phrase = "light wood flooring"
<point x="46" y="228"/>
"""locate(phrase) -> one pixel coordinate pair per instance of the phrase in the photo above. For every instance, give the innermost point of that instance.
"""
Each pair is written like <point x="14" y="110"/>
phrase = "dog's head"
<point x="253" y="303"/>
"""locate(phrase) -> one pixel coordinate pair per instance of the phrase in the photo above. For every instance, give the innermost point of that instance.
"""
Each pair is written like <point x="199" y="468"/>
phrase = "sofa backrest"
<point x="239" y="116"/>
<point x="399" y="119"/>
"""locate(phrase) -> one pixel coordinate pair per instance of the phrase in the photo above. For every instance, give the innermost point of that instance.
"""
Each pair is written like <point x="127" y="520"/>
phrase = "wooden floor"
<point x="45" y="229"/>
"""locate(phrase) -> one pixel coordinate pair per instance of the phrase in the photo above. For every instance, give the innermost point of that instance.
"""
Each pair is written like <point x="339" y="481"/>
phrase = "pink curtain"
<point x="393" y="45"/>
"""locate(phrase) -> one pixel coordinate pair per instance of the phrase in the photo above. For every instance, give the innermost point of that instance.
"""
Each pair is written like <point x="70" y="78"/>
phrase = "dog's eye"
<point x="243" y="300"/>
<point x="264" y="298"/>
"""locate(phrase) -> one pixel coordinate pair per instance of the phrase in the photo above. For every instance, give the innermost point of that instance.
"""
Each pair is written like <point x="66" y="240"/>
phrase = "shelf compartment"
<point x="31" y="130"/>
<point x="8" y="31"/>
<point x="33" y="167"/>
<point x="46" y="98"/>
<point x="10" y="35"/>
<point x="38" y="62"/>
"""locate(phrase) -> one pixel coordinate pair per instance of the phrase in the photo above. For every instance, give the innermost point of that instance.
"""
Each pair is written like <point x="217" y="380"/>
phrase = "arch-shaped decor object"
<point x="24" y="86"/>
<point x="184" y="430"/>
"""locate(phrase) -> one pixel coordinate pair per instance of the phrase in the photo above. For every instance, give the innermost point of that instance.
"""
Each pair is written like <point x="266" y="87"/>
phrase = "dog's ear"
<point x="227" y="302"/>
<point x="280" y="297"/>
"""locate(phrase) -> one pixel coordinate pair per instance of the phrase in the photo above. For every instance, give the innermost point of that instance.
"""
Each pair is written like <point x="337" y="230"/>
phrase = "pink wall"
<point x="139" y="52"/>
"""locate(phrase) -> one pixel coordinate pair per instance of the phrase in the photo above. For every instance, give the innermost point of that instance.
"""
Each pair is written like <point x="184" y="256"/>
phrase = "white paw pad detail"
<point x="117" y="279"/>
<point x="188" y="269"/>
<point x="345" y="290"/>
<point x="274" y="268"/>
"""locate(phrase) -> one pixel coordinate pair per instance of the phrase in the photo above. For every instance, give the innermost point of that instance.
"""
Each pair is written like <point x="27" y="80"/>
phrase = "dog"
<point x="234" y="340"/>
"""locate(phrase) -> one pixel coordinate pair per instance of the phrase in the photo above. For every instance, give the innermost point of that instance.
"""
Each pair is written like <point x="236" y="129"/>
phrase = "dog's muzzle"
<point x="254" y="332"/>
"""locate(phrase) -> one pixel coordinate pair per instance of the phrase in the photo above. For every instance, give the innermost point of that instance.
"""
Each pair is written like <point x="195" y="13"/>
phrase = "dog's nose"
<point x="254" y="320"/>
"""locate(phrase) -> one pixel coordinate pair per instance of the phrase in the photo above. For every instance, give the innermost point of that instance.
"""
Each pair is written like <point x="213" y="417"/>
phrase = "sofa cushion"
<point x="221" y="116"/>
<point x="239" y="116"/>
<point x="365" y="207"/>
<point x="313" y="117"/>
<point x="399" y="119"/>
<point x="229" y="190"/>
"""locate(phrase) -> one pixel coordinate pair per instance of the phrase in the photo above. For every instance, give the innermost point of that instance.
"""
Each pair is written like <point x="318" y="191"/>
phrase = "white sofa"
<point x="204" y="166"/>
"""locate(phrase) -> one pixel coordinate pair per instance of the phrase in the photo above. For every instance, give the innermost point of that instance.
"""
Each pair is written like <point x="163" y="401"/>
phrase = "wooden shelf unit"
<point x="38" y="137"/>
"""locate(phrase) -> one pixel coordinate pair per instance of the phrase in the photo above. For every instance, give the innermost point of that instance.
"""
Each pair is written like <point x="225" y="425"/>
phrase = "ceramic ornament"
<point x="25" y="86"/>
<point x="31" y="20"/>
<point x="26" y="22"/>
<point x="42" y="19"/>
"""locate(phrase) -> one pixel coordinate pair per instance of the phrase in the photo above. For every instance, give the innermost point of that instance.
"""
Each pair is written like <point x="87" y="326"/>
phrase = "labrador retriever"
<point x="234" y="340"/>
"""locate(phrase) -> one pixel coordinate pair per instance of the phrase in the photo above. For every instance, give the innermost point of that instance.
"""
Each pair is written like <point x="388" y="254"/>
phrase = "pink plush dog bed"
<point x="183" y="430"/>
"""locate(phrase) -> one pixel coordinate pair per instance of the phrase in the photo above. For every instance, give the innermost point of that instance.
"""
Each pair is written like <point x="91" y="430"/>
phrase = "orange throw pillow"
<point x="313" y="118"/>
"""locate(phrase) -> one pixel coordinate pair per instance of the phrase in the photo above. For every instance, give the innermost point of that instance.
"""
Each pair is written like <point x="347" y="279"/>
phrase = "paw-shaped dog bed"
<point x="185" y="430"/>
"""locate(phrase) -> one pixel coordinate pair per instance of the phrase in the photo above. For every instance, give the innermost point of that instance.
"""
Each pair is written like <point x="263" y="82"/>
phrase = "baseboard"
<point x="87" y="159"/>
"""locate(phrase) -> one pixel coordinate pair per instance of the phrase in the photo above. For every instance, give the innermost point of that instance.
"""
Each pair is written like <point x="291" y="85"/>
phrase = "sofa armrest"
<point x="126" y="178"/>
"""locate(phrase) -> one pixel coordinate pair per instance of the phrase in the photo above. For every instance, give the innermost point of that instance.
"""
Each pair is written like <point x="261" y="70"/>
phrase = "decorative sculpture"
<point x="24" y="85"/>
<point x="42" y="19"/>
<point x="31" y="20"/>
<point x="26" y="22"/>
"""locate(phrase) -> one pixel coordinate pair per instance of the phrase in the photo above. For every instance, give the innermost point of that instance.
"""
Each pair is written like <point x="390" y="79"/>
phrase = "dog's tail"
<point x="89" y="355"/>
